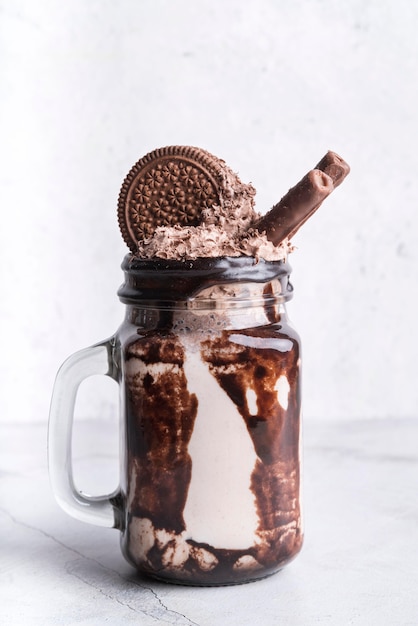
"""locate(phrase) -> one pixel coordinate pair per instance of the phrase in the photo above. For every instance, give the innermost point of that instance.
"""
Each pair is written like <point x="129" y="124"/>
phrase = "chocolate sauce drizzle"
<point x="161" y="418"/>
<point x="160" y="280"/>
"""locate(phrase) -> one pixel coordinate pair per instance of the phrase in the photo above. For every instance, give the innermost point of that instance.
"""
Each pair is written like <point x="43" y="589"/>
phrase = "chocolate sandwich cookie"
<point x="167" y="187"/>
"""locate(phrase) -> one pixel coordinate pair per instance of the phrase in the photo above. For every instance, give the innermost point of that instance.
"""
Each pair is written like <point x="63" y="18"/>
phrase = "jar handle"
<point x="99" y="510"/>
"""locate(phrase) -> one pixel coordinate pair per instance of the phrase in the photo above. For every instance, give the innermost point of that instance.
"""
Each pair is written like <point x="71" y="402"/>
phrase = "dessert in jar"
<point x="209" y="373"/>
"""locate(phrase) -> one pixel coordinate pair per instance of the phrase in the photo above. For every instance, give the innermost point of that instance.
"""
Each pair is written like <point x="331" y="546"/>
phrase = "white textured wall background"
<point x="89" y="87"/>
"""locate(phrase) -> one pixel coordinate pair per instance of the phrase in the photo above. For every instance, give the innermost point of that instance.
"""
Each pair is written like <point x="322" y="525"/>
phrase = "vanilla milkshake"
<point x="211" y="396"/>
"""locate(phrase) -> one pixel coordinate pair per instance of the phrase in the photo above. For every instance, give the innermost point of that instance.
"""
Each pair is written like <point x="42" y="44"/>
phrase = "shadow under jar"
<point x="209" y="375"/>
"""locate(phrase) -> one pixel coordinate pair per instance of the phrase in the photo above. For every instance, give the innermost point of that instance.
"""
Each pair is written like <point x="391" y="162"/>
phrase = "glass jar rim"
<point x="177" y="284"/>
<point x="210" y="304"/>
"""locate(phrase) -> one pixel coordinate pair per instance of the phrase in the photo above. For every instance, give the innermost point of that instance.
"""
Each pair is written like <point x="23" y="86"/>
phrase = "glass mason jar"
<point x="209" y="373"/>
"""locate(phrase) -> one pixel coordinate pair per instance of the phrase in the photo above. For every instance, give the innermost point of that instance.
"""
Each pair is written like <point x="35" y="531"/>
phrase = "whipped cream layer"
<point x="209" y="240"/>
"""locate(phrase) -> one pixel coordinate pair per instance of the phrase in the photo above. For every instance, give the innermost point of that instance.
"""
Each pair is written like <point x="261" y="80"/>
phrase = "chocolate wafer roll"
<point x="300" y="202"/>
<point x="333" y="165"/>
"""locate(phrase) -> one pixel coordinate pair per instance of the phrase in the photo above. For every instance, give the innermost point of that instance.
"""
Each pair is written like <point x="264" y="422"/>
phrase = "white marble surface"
<point x="359" y="564"/>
